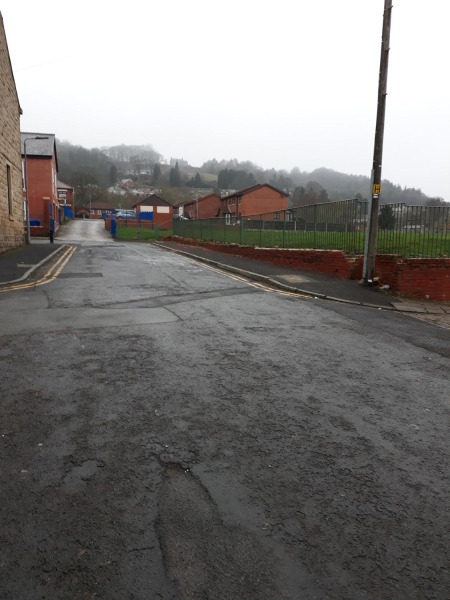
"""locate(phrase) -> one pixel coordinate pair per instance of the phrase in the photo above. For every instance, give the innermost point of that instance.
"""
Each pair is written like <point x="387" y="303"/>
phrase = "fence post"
<point x="240" y="231"/>
<point x="224" y="229"/>
<point x="284" y="227"/>
<point x="260" y="231"/>
<point x="201" y="229"/>
<point x="315" y="225"/>
<point x="157" y="232"/>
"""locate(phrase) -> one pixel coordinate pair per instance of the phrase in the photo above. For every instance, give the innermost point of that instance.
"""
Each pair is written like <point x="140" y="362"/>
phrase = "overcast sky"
<point x="284" y="84"/>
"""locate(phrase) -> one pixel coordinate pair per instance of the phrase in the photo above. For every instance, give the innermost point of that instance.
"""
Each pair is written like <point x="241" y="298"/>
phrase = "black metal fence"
<point x="411" y="231"/>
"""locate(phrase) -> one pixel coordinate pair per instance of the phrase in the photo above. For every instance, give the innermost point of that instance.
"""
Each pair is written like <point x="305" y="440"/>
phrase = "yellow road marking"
<point x="48" y="277"/>
<point x="252" y="283"/>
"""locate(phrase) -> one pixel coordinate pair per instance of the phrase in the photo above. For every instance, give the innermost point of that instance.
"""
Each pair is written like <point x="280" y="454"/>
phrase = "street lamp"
<point x="36" y="137"/>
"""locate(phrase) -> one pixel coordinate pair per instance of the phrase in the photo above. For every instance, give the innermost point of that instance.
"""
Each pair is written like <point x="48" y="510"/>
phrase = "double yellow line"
<point x="265" y="288"/>
<point x="51" y="274"/>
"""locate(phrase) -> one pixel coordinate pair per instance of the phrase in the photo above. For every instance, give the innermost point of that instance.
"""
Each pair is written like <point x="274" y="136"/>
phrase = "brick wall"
<point x="42" y="192"/>
<point x="11" y="225"/>
<point x="419" y="278"/>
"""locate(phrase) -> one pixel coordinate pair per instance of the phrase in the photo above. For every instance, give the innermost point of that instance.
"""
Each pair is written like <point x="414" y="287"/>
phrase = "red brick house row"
<point x="41" y="173"/>
<point x="255" y="200"/>
<point x="203" y="208"/>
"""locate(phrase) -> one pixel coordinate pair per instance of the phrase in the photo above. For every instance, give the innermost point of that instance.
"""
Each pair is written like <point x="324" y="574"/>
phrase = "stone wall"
<point x="11" y="221"/>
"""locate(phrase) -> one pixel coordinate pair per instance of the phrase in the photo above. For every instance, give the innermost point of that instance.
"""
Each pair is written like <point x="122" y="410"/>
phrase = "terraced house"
<point x="41" y="176"/>
<point x="11" y="198"/>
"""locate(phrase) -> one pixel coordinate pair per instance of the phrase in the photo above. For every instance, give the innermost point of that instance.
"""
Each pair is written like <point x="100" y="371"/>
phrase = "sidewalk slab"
<point x="20" y="262"/>
<point x="409" y="307"/>
<point x="319" y="284"/>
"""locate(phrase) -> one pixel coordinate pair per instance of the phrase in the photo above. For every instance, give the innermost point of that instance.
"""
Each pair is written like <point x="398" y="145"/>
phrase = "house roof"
<point x="202" y="198"/>
<point x="152" y="200"/>
<point x="10" y="64"/>
<point x="252" y="189"/>
<point x="39" y="148"/>
<point x="63" y="186"/>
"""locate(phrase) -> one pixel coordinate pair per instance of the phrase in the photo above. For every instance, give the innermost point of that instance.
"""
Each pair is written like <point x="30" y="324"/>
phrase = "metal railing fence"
<point x="410" y="231"/>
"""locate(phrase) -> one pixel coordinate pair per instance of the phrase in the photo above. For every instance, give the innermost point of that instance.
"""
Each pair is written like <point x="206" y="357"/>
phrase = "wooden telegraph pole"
<point x="370" y="247"/>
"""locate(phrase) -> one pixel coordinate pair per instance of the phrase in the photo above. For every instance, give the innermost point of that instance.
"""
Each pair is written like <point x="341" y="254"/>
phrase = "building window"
<point x="9" y="189"/>
<point x="92" y="211"/>
<point x="276" y="215"/>
<point x="99" y="212"/>
<point x="233" y="201"/>
<point x="240" y="200"/>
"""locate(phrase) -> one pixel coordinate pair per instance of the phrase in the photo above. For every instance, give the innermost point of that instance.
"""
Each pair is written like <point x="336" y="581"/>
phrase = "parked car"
<point x="180" y="218"/>
<point x="125" y="214"/>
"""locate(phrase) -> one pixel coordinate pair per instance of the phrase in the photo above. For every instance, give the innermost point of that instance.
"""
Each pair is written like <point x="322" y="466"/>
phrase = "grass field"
<point x="406" y="244"/>
<point x="136" y="233"/>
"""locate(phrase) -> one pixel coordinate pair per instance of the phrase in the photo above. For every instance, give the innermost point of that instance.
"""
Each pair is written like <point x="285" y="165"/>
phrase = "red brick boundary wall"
<point x="39" y="231"/>
<point x="419" y="278"/>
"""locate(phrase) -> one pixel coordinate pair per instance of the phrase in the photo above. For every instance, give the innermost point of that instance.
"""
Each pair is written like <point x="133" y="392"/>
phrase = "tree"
<point x="386" y="218"/>
<point x="323" y="196"/>
<point x="175" y="176"/>
<point x="198" y="181"/>
<point x="112" y="174"/>
<point x="156" y="174"/>
<point x="84" y="184"/>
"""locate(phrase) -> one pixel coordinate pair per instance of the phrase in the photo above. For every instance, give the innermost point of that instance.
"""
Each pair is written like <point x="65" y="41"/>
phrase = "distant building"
<point x="127" y="184"/>
<point x="99" y="208"/>
<point x="65" y="195"/>
<point x="181" y="162"/>
<point x="42" y="166"/>
<point x="155" y="209"/>
<point x="11" y="195"/>
<point x="254" y="201"/>
<point x="207" y="207"/>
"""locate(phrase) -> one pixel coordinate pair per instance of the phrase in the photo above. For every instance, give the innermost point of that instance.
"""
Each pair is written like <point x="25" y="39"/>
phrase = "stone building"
<point x="11" y="187"/>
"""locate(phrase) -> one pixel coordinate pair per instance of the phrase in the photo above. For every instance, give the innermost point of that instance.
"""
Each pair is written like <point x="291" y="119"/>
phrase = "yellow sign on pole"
<point x="377" y="188"/>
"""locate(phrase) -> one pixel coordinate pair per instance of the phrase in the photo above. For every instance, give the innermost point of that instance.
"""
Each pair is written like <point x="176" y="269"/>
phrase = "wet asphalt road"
<point x="172" y="432"/>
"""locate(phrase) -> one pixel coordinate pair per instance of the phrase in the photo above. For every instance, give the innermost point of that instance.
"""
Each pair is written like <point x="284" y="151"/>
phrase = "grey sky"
<point x="284" y="84"/>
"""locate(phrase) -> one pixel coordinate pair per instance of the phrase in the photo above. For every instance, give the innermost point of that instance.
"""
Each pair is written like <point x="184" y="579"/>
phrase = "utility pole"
<point x="370" y="246"/>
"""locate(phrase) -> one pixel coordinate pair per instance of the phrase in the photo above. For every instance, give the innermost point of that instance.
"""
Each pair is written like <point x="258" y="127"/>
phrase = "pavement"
<point x="84" y="231"/>
<point x="319" y="284"/>
<point x="171" y="431"/>
<point x="20" y="262"/>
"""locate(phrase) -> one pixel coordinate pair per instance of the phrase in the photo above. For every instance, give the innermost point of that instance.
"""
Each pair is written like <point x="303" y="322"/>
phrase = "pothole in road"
<point x="207" y="557"/>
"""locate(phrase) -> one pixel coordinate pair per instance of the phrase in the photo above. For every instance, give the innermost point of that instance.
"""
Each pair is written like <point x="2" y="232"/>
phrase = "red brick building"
<point x="66" y="195"/>
<point x="42" y="166"/>
<point x="258" y="199"/>
<point x="99" y="208"/>
<point x="207" y="207"/>
<point x="156" y="210"/>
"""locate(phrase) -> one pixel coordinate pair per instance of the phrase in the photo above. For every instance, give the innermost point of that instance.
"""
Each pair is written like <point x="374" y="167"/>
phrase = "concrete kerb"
<point x="270" y="281"/>
<point x="34" y="267"/>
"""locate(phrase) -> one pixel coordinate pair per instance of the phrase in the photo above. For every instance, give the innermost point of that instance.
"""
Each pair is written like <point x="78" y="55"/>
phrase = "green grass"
<point x="136" y="233"/>
<point x="209" y="177"/>
<point x="389" y="242"/>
